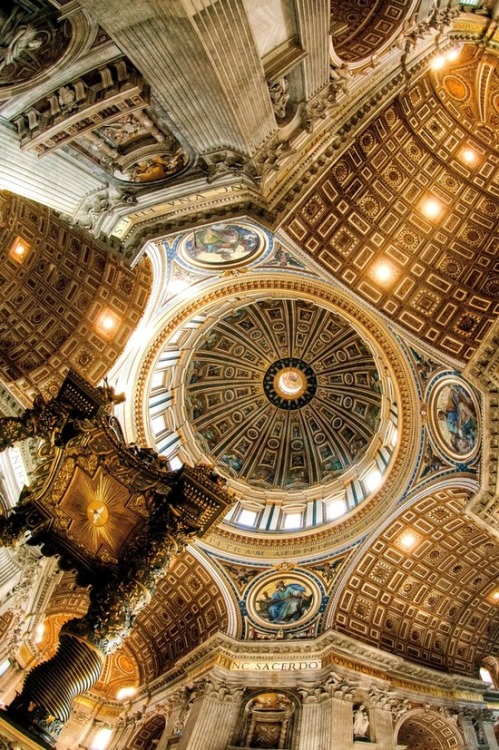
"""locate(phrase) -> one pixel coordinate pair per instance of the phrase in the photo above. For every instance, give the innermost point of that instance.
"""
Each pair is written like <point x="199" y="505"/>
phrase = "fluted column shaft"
<point x="313" y="32"/>
<point x="383" y="729"/>
<point x="488" y="731"/>
<point x="317" y="726"/>
<point x="342" y="724"/>
<point x="203" y="65"/>
<point x="53" y="181"/>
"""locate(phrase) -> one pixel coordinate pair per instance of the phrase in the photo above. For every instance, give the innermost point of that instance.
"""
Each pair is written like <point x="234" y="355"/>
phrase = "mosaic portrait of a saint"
<point x="456" y="419"/>
<point x="284" y="601"/>
<point x="222" y="243"/>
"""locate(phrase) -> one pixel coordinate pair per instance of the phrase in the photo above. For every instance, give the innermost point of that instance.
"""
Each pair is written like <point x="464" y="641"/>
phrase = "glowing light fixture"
<point x="107" y="323"/>
<point x="453" y="54"/>
<point x="431" y="208"/>
<point x="19" y="249"/>
<point x="125" y="692"/>
<point x="438" y="62"/>
<point x="383" y="272"/>
<point x="469" y="156"/>
<point x="495" y="595"/>
<point x="408" y="540"/>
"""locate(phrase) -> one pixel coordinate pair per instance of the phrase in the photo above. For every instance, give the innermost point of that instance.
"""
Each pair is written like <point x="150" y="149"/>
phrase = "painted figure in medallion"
<point x="222" y="243"/>
<point x="287" y="603"/>
<point x="457" y="418"/>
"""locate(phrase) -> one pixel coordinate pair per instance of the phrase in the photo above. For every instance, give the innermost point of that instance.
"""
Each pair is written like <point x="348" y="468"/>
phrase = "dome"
<point x="283" y="394"/>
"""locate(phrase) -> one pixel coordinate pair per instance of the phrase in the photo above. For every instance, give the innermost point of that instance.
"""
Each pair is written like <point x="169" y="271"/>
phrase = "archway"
<point x="149" y="733"/>
<point x="428" y="730"/>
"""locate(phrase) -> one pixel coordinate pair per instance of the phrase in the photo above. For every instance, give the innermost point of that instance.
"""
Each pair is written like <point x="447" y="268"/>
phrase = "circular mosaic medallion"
<point x="454" y="413"/>
<point x="222" y="245"/>
<point x="289" y="383"/>
<point x="283" y="601"/>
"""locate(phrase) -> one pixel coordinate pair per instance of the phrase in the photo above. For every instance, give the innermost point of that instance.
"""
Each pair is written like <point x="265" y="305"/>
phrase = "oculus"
<point x="283" y="394"/>
<point x="289" y="383"/>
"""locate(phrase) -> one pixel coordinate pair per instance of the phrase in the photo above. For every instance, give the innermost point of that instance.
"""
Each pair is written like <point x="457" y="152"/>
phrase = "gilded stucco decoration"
<point x="184" y="340"/>
<point x="360" y="29"/>
<point x="469" y="89"/>
<point x="369" y="208"/>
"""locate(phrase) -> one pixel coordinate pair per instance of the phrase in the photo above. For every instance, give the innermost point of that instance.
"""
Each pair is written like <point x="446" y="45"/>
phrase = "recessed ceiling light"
<point x="469" y="156"/>
<point x="107" y="323"/>
<point x="431" y="208"/>
<point x="19" y="249"/>
<point x="495" y="596"/>
<point x="408" y="540"/>
<point x="383" y="272"/>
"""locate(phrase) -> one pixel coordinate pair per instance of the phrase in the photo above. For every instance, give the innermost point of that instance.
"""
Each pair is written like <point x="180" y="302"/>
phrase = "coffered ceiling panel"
<point x="404" y="196"/>
<point x="426" y="589"/>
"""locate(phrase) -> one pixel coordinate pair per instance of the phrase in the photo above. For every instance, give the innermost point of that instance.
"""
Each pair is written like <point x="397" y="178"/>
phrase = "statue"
<point x="360" y="722"/>
<point x="279" y="95"/>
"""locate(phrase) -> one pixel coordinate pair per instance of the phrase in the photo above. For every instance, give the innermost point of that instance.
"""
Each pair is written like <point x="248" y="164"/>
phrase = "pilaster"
<point x="202" y="64"/>
<point x="53" y="181"/>
<point x="212" y="719"/>
<point x="383" y="729"/>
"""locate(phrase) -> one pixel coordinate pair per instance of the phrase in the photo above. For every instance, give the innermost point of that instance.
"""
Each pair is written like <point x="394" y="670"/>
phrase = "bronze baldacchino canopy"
<point x="112" y="511"/>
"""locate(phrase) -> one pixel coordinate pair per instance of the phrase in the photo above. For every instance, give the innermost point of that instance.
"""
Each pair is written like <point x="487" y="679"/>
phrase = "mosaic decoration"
<point x="283" y="601"/>
<point x="454" y="415"/>
<point x="242" y="416"/>
<point x="222" y="244"/>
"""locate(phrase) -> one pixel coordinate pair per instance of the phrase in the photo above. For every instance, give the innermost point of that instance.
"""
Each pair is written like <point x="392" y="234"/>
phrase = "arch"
<point x="361" y="29"/>
<point x="268" y="720"/>
<point x="422" y="729"/>
<point x="149" y="733"/>
<point x="399" y="598"/>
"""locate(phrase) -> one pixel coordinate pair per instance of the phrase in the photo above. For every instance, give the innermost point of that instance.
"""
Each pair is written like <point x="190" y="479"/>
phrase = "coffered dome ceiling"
<point x="469" y="87"/>
<point x="284" y="394"/>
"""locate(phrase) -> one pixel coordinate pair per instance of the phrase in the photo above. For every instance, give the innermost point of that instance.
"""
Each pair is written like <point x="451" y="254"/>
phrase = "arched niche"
<point x="422" y="729"/>
<point x="269" y="721"/>
<point x="149" y="733"/>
